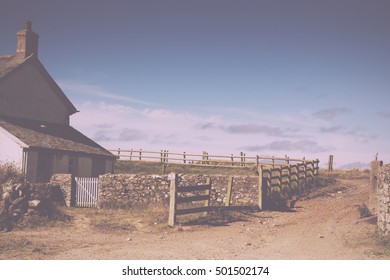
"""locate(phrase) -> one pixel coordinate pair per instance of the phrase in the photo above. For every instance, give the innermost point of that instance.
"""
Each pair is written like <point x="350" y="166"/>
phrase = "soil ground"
<point x="327" y="224"/>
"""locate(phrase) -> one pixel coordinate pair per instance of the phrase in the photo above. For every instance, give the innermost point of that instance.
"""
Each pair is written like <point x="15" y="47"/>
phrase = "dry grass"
<point x="147" y="168"/>
<point x="109" y="220"/>
<point x="353" y="174"/>
<point x="24" y="248"/>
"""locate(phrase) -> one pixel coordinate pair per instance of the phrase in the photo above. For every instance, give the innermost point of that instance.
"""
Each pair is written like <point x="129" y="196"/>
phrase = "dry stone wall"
<point x="129" y="190"/>
<point x="64" y="182"/>
<point x="21" y="200"/>
<point x="383" y="199"/>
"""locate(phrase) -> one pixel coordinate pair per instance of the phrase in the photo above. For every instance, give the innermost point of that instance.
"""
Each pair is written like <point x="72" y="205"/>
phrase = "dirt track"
<point x="326" y="227"/>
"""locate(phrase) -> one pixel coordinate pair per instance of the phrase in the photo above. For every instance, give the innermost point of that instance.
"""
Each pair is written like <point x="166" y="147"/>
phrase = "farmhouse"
<point x="35" y="131"/>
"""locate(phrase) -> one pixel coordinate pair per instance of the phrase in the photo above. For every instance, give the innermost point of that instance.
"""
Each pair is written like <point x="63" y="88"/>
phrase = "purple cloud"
<point x="328" y="114"/>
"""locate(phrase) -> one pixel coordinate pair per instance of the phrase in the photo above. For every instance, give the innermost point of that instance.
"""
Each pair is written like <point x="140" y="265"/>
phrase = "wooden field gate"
<point x="192" y="195"/>
<point x="86" y="192"/>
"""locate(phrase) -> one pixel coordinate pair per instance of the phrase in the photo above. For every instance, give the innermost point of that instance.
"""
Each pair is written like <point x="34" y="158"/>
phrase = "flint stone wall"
<point x="130" y="190"/>
<point x="64" y="182"/>
<point x="19" y="200"/>
<point x="383" y="199"/>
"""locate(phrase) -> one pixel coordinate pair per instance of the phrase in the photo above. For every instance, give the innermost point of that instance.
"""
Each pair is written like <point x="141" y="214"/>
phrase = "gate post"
<point x="260" y="203"/>
<point x="172" y="199"/>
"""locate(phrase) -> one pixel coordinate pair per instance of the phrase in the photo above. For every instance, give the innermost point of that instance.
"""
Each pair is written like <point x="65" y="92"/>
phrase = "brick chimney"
<point x="26" y="42"/>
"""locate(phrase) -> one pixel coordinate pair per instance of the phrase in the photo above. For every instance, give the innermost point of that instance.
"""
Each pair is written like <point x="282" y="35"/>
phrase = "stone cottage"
<point x="35" y="131"/>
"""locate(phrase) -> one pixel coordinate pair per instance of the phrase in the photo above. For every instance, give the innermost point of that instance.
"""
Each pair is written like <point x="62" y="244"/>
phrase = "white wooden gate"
<point x="87" y="192"/>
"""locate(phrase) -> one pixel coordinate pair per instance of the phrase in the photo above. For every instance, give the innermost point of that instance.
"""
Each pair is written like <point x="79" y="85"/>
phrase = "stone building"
<point x="35" y="131"/>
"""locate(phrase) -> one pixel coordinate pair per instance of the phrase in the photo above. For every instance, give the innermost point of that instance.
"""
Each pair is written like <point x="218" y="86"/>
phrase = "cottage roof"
<point x="51" y="136"/>
<point x="11" y="63"/>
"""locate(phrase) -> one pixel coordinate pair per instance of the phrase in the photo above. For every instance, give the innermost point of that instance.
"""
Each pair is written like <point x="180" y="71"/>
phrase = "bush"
<point x="9" y="171"/>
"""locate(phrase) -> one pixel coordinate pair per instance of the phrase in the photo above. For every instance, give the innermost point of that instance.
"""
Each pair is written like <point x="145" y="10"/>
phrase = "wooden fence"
<point x="205" y="159"/>
<point x="288" y="179"/>
<point x="192" y="196"/>
<point x="276" y="184"/>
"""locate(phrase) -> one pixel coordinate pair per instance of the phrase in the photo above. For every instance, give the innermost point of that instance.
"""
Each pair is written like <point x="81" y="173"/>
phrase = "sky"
<point x="303" y="78"/>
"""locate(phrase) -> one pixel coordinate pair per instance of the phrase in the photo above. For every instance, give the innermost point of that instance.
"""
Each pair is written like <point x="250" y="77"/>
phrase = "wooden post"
<point x="296" y="173"/>
<point x="207" y="202"/>
<point x="289" y="175"/>
<point x="273" y="163"/>
<point x="279" y="169"/>
<point x="229" y="191"/>
<point x="242" y="159"/>
<point x="287" y="160"/>
<point x="267" y="175"/>
<point x="140" y="154"/>
<point x="257" y="162"/>
<point x="172" y="199"/>
<point x="161" y="156"/>
<point x="330" y="163"/>
<point x="184" y="157"/>
<point x="119" y="153"/>
<point x="317" y="168"/>
<point x="260" y="203"/>
<point x="232" y="160"/>
<point x="312" y="169"/>
<point x="131" y="154"/>
<point x="164" y="167"/>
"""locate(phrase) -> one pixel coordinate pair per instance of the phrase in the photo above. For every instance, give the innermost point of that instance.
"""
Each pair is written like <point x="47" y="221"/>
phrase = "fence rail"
<point x="206" y="159"/>
<point x="288" y="175"/>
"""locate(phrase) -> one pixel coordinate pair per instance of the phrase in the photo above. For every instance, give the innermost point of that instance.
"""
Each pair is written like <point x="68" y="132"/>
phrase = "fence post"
<point x="260" y="203"/>
<point x="316" y="168"/>
<point x="289" y="175"/>
<point x="287" y="160"/>
<point x="232" y="160"/>
<point x="257" y="161"/>
<point x="131" y="154"/>
<point x="184" y="157"/>
<point x="119" y="153"/>
<point x="172" y="199"/>
<point x="330" y="163"/>
<point x="207" y="202"/>
<point x="280" y="178"/>
<point x="229" y="191"/>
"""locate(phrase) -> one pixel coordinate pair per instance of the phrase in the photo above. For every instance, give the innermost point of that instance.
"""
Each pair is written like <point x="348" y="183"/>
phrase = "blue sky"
<point x="302" y="78"/>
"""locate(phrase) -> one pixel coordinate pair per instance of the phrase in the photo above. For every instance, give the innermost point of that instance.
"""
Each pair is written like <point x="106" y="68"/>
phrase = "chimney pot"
<point x="27" y="25"/>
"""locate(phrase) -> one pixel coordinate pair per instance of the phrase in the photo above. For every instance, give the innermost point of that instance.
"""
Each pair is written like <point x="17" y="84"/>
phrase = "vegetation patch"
<point x="147" y="168"/>
<point x="217" y="216"/>
<point x="128" y="219"/>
